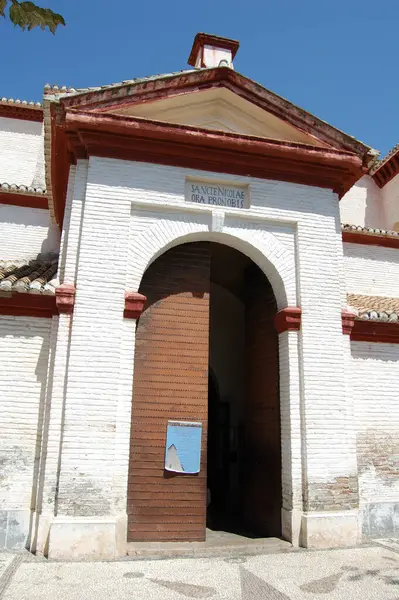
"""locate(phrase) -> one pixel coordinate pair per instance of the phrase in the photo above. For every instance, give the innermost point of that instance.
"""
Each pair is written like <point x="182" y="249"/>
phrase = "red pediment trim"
<point x="129" y="138"/>
<point x="158" y="88"/>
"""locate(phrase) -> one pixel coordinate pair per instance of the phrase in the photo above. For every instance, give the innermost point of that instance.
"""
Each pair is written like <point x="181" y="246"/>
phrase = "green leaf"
<point x="28" y="15"/>
<point x="17" y="16"/>
<point x="3" y="4"/>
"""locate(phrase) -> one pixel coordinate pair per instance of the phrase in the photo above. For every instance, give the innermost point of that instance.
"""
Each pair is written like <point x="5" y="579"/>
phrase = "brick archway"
<point x="260" y="245"/>
<point x="171" y="382"/>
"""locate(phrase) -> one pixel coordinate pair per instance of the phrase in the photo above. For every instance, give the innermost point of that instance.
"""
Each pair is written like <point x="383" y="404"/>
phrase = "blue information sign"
<point x="183" y="447"/>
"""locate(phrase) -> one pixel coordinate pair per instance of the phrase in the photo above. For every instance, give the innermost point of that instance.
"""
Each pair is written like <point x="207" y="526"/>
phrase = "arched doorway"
<point x="206" y="351"/>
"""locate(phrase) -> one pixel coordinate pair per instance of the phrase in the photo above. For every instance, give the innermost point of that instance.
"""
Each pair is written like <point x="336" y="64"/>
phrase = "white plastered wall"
<point x="390" y="197"/>
<point x="26" y="232"/>
<point x="22" y="152"/>
<point x="24" y="350"/>
<point x="363" y="205"/>
<point x="375" y="383"/>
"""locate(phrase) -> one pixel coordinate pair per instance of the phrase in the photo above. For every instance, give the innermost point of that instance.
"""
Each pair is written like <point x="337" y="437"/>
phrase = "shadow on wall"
<point x="20" y="454"/>
<point x="363" y="205"/>
<point x="26" y="232"/>
<point x="374" y="213"/>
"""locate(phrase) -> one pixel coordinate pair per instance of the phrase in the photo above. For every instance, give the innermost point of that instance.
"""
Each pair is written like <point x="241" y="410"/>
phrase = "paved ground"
<point x="366" y="573"/>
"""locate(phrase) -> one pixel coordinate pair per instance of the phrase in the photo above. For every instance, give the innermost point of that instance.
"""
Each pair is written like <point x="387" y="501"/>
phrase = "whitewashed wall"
<point x="371" y="270"/>
<point x="363" y="205"/>
<point x="375" y="384"/>
<point x="390" y="196"/>
<point x="21" y="152"/>
<point x="24" y="350"/>
<point x="25" y="232"/>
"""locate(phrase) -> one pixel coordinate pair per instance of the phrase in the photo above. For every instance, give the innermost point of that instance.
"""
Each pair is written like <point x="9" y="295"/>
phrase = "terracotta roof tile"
<point x="374" y="308"/>
<point x="19" y="102"/>
<point x="37" y="276"/>
<point x="21" y="189"/>
<point x="369" y="230"/>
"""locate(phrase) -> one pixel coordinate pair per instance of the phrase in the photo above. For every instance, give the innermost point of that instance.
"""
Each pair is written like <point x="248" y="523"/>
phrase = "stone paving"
<point x="366" y="573"/>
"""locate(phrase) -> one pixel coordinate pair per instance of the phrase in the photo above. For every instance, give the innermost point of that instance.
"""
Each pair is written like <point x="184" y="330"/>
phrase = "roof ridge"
<point x="49" y="89"/>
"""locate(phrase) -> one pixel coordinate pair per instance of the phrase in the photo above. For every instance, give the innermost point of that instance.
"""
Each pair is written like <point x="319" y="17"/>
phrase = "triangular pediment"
<point x="218" y="109"/>
<point x="215" y="99"/>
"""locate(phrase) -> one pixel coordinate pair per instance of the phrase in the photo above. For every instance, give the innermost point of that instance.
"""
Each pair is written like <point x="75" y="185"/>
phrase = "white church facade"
<point x="193" y="247"/>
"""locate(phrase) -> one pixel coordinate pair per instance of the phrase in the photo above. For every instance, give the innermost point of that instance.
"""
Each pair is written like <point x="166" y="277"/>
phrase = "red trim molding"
<point x="82" y="127"/>
<point x="375" y="331"/>
<point x="28" y="305"/>
<point x="136" y="139"/>
<point x="288" y="319"/>
<point x="65" y="298"/>
<point x="21" y="111"/>
<point x="370" y="239"/>
<point x="134" y="304"/>
<point x="24" y="200"/>
<point x="348" y="322"/>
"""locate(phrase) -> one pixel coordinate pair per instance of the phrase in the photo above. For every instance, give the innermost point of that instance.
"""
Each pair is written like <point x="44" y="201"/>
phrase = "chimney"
<point x="212" y="51"/>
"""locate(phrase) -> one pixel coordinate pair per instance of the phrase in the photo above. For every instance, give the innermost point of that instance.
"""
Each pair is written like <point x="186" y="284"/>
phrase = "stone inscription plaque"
<point x="213" y="193"/>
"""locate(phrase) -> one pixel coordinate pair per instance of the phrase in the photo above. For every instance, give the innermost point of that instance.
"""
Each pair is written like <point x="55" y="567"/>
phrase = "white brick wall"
<point x="371" y="270"/>
<point x="25" y="232"/>
<point x="123" y="216"/>
<point x="375" y="383"/>
<point x="21" y="152"/>
<point x="24" y="344"/>
<point x="363" y="204"/>
<point x="24" y="348"/>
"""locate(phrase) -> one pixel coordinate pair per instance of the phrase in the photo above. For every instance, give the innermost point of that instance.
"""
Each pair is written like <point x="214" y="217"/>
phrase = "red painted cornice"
<point x="134" y="304"/>
<point x="288" y="319"/>
<point x="375" y="331"/>
<point x="26" y="200"/>
<point x="113" y="136"/>
<point x="21" y="111"/>
<point x="369" y="331"/>
<point x="28" y="305"/>
<point x="39" y="305"/>
<point x="370" y="239"/>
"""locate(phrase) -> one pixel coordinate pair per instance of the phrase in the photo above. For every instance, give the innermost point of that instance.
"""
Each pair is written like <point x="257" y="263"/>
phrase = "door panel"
<point x="170" y="382"/>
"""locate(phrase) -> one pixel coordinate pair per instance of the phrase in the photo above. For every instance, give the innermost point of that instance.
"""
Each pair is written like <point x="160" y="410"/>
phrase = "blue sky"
<point x="337" y="59"/>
